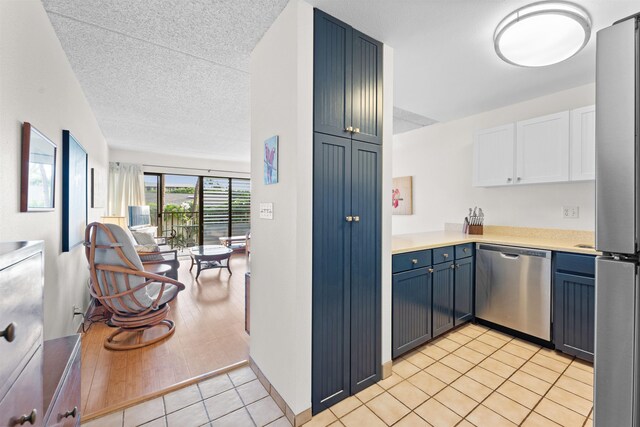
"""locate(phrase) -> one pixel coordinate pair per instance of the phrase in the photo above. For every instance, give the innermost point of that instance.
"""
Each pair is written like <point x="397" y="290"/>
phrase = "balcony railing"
<point x="182" y="228"/>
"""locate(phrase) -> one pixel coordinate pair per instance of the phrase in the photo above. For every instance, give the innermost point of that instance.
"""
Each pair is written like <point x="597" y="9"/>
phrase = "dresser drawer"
<point x="65" y="406"/>
<point x="21" y="313"/>
<point x="25" y="395"/>
<point x="411" y="260"/>
<point x="442" y="254"/>
<point x="464" y="251"/>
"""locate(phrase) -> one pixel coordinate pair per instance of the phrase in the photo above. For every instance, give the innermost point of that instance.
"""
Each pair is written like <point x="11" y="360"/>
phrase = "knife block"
<point x="476" y="229"/>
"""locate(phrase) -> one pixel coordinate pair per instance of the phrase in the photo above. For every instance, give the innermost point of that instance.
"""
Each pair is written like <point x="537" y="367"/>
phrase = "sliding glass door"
<point x="240" y="206"/>
<point x="195" y="210"/>
<point x="215" y="211"/>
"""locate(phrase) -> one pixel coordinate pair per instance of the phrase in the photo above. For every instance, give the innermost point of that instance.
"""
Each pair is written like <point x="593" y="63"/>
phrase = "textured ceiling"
<point x="171" y="76"/>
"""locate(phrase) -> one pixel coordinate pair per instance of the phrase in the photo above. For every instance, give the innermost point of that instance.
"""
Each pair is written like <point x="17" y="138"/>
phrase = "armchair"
<point x="138" y="300"/>
<point x="150" y="252"/>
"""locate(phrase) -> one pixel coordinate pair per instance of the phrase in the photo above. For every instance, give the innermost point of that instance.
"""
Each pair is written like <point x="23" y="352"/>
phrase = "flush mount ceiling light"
<point x="542" y="34"/>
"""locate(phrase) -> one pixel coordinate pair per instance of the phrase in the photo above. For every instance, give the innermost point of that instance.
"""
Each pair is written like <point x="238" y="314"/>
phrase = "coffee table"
<point x="210" y="256"/>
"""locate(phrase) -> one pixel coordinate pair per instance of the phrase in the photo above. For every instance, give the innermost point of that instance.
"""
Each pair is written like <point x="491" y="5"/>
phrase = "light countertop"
<point x="549" y="239"/>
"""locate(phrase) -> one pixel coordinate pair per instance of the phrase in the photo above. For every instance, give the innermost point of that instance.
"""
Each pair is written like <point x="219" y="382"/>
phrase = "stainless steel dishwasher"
<point x="513" y="288"/>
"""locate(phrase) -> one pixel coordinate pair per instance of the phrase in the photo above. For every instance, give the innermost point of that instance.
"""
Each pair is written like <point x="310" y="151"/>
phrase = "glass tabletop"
<point x="207" y="250"/>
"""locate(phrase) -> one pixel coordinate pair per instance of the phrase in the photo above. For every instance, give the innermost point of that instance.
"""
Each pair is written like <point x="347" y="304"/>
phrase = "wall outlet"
<point x="570" y="212"/>
<point x="77" y="311"/>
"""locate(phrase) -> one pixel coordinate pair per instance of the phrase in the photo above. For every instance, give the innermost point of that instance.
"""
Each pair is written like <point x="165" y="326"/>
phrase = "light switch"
<point x="266" y="210"/>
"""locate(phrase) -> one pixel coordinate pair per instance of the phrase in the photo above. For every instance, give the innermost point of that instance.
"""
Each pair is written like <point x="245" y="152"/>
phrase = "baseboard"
<point x="295" y="419"/>
<point x="178" y="386"/>
<point x="386" y="369"/>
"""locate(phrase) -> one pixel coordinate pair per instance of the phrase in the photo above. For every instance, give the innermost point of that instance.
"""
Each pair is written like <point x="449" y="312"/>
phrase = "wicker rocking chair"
<point x="137" y="299"/>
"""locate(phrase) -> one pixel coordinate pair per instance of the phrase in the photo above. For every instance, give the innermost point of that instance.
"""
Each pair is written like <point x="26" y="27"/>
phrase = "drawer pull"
<point x="445" y="256"/>
<point x="465" y="250"/>
<point x="430" y="270"/>
<point x="453" y="266"/>
<point x="9" y="332"/>
<point x="72" y="413"/>
<point x="414" y="261"/>
<point x="31" y="418"/>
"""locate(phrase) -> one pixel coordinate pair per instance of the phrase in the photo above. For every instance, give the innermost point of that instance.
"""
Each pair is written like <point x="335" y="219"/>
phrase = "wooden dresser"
<point x="21" y="290"/>
<point x="39" y="382"/>
<point x="62" y="381"/>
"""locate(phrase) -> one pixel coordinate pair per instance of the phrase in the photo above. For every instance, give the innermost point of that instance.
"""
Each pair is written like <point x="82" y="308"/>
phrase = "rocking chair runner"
<point x="137" y="299"/>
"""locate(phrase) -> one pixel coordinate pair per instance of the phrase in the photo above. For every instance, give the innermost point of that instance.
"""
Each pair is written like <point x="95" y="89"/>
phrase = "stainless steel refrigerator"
<point x="617" y="341"/>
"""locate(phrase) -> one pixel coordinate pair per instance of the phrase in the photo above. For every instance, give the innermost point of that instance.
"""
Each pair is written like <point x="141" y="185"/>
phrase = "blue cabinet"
<point x="464" y="289"/>
<point x="574" y="305"/>
<point x="346" y="306"/>
<point x="347" y="208"/>
<point x="443" y="297"/>
<point x="411" y="309"/>
<point x="347" y="81"/>
<point x="431" y="294"/>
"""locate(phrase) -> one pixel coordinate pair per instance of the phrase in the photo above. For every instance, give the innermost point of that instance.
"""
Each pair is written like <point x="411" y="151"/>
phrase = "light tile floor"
<point x="473" y="376"/>
<point x="235" y="399"/>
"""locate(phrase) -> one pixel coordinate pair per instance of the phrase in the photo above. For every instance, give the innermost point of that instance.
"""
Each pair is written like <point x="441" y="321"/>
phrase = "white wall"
<point x="439" y="157"/>
<point x="38" y="85"/>
<point x="281" y="104"/>
<point x="164" y="163"/>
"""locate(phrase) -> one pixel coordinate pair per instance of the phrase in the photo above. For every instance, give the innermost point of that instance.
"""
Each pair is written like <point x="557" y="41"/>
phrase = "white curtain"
<point x="126" y="187"/>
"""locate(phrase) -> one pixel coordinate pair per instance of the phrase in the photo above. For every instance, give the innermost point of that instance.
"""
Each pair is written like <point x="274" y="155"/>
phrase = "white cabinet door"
<point x="542" y="149"/>
<point x="493" y="156"/>
<point x="583" y="143"/>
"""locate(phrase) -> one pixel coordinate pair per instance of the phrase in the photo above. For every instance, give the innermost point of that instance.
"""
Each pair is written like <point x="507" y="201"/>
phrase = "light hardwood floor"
<point x="209" y="317"/>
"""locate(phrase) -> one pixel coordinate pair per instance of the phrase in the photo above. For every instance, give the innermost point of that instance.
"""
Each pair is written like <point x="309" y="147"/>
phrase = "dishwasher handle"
<point x="509" y="256"/>
<point x="514" y="251"/>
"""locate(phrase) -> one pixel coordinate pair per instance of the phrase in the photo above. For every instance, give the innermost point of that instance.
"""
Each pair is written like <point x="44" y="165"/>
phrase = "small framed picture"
<point x="271" y="160"/>
<point x="38" y="178"/>
<point x="401" y="196"/>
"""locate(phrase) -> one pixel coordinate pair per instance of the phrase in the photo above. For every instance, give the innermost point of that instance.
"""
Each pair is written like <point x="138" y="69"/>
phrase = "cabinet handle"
<point x="453" y="266"/>
<point x="414" y="261"/>
<point x="445" y="256"/>
<point x="356" y="218"/>
<point x="9" y="332"/>
<point x="356" y="130"/>
<point x="349" y="129"/>
<point x="508" y="179"/>
<point x="465" y="250"/>
<point x="430" y="270"/>
<point x="349" y="218"/>
<point x="518" y="179"/>
<point x="31" y="418"/>
<point x="72" y="413"/>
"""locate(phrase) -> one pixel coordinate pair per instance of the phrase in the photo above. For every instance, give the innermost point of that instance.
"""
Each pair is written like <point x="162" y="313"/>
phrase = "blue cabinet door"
<point x="443" y="296"/>
<point x="367" y="88"/>
<point x="332" y="80"/>
<point x="463" y="303"/>
<point x="366" y="209"/>
<point x="411" y="310"/>
<point x="331" y="313"/>
<point x="574" y="314"/>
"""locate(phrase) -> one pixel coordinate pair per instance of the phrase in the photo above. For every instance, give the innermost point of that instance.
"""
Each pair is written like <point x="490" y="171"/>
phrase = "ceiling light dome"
<point x="542" y="34"/>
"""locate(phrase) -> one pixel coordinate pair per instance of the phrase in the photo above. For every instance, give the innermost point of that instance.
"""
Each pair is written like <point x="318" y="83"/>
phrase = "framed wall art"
<point x="74" y="191"/>
<point x="402" y="197"/>
<point x="271" y="160"/>
<point x="38" y="171"/>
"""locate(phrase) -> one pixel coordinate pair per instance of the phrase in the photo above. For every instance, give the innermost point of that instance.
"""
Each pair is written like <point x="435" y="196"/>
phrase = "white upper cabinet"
<point x="542" y="149"/>
<point x="583" y="143"/>
<point x="493" y="156"/>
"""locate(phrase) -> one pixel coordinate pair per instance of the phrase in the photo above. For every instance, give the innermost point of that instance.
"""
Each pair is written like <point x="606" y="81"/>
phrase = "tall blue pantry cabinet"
<point x="347" y="209"/>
